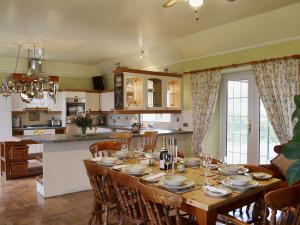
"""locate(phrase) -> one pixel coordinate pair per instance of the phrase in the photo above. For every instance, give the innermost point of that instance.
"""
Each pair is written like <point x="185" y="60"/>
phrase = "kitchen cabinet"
<point x="56" y="105"/>
<point x="39" y="103"/>
<point x="107" y="101"/>
<point x="16" y="103"/>
<point x="35" y="148"/>
<point x="174" y="94"/>
<point x="75" y="94"/>
<point x="92" y="102"/>
<point x="147" y="91"/>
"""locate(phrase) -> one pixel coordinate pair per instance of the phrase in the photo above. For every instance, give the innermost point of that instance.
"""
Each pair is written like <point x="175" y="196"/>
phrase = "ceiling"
<point x="95" y="31"/>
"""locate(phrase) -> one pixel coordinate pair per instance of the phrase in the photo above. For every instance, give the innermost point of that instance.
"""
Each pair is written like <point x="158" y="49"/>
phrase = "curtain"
<point x="205" y="87"/>
<point x="277" y="84"/>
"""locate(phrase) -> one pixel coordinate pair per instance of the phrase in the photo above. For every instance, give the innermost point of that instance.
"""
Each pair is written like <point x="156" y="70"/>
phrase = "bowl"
<point x="109" y="160"/>
<point x="239" y="180"/>
<point x="175" y="180"/>
<point x="122" y="154"/>
<point x="193" y="160"/>
<point x="136" y="168"/>
<point x="233" y="168"/>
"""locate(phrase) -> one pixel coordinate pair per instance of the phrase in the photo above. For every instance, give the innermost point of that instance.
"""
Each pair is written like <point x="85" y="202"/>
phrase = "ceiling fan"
<point x="193" y="3"/>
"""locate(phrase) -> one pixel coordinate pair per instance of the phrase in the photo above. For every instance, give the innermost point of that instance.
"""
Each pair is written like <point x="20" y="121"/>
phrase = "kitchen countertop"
<point x="38" y="128"/>
<point x="57" y="138"/>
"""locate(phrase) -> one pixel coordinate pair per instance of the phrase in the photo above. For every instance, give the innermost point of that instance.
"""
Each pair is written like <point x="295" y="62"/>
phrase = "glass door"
<point x="238" y="97"/>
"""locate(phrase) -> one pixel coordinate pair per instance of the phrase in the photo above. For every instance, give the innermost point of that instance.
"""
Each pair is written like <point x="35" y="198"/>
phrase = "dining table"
<point x="206" y="208"/>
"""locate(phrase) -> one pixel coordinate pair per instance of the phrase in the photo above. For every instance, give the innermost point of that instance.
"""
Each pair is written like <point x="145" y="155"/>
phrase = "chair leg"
<point x="121" y="220"/>
<point x="106" y="215"/>
<point x="93" y="213"/>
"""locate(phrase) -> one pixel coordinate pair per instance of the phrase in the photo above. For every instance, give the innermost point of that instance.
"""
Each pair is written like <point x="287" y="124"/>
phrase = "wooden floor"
<point x="20" y="204"/>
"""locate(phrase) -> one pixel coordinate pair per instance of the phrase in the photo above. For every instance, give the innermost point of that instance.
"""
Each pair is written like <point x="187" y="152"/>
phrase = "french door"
<point x="239" y="113"/>
<point x="246" y="134"/>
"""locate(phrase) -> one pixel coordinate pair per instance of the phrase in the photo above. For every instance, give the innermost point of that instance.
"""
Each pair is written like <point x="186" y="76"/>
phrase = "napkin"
<point x="96" y="159"/>
<point x="119" y="167"/>
<point x="156" y="176"/>
<point x="216" y="189"/>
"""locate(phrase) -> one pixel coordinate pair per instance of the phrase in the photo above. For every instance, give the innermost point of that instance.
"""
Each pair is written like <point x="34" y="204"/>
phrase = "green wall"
<point x="212" y="139"/>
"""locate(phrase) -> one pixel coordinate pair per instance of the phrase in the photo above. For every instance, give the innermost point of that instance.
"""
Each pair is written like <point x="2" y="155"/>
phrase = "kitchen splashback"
<point x="41" y="119"/>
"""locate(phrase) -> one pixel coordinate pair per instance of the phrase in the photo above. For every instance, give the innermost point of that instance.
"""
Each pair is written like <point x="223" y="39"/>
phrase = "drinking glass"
<point x="167" y="162"/>
<point x="124" y="150"/>
<point x="140" y="148"/>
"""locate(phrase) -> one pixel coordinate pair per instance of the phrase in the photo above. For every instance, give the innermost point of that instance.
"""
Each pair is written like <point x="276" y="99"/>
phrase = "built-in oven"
<point x="75" y="106"/>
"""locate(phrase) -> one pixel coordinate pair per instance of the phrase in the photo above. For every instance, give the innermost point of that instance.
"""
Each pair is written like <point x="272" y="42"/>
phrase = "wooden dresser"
<point x="15" y="160"/>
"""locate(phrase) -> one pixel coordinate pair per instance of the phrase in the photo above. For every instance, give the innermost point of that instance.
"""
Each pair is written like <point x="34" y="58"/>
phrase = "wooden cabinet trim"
<point x="121" y="70"/>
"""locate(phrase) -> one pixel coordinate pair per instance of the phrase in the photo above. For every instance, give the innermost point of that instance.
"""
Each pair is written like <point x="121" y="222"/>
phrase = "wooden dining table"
<point x="206" y="208"/>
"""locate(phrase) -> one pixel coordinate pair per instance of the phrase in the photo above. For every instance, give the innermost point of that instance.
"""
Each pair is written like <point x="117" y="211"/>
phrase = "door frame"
<point x="253" y="113"/>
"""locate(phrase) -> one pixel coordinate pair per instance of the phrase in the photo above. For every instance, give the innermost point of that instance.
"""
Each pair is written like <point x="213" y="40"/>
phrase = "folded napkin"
<point x="156" y="176"/>
<point x="96" y="159"/>
<point x="119" y="167"/>
<point x="216" y="189"/>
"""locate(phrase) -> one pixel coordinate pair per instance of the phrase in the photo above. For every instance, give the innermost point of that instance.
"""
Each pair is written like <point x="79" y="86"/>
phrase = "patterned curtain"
<point x="277" y="85"/>
<point x="205" y="87"/>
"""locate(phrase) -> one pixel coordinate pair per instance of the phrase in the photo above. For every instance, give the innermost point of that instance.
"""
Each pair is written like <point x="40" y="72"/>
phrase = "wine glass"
<point x="167" y="162"/>
<point x="206" y="162"/>
<point x="140" y="148"/>
<point x="124" y="150"/>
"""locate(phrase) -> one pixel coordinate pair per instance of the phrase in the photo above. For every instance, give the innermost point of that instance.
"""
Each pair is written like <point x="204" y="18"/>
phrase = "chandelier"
<point x="35" y="83"/>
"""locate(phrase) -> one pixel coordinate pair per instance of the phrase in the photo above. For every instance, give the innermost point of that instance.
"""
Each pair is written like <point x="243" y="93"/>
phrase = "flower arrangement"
<point x="83" y="121"/>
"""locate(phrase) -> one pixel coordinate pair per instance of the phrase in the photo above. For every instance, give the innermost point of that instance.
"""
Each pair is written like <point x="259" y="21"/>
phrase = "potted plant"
<point x="292" y="149"/>
<point x="83" y="122"/>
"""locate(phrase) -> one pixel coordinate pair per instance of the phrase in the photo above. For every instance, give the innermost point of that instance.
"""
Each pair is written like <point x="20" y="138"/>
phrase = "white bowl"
<point x="109" y="160"/>
<point x="193" y="160"/>
<point x="175" y="180"/>
<point x="233" y="168"/>
<point x="239" y="180"/>
<point x="136" y="168"/>
<point x="122" y="154"/>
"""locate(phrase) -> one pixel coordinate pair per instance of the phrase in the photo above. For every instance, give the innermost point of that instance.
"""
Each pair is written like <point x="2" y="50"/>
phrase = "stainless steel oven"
<point x="75" y="106"/>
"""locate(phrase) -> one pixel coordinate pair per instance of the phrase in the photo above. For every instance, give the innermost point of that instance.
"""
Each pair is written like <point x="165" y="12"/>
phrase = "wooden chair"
<point x="100" y="183"/>
<point x="123" y="138"/>
<point x="286" y="200"/>
<point x="132" y="209"/>
<point x="229" y="220"/>
<point x="99" y="148"/>
<point x="149" y="140"/>
<point x="162" y="207"/>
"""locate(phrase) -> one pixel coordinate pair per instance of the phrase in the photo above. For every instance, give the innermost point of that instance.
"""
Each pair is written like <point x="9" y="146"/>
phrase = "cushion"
<point x="282" y="164"/>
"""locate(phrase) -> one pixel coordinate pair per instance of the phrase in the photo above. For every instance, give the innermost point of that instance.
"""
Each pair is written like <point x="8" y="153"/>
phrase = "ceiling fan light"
<point x="196" y="3"/>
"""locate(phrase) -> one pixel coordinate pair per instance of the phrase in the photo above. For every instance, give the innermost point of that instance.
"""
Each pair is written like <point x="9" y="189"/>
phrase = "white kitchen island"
<point x="63" y="155"/>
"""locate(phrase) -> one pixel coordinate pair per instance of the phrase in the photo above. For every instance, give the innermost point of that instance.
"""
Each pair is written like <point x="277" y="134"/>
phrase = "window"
<point x="166" y="117"/>
<point x="267" y="137"/>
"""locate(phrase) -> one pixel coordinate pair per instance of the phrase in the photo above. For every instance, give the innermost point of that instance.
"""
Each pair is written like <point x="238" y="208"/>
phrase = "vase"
<point x="83" y="131"/>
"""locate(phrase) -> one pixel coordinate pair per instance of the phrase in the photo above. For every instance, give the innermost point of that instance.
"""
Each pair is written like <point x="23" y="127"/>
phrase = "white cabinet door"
<point x="92" y="101"/>
<point x="16" y="103"/>
<point x="107" y="101"/>
<point x="39" y="103"/>
<point x="73" y="94"/>
<point x="56" y="105"/>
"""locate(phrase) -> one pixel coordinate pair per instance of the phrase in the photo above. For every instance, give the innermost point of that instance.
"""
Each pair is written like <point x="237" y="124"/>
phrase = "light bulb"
<point x="196" y="3"/>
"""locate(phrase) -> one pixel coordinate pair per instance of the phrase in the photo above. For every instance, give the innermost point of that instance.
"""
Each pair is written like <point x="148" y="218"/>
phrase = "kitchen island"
<point x="63" y="155"/>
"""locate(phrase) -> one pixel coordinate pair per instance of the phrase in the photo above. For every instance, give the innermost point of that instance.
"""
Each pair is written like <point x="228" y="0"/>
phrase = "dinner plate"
<point x="186" y="184"/>
<point x="261" y="176"/>
<point x="143" y="172"/>
<point x="145" y="178"/>
<point x="119" y="167"/>
<point x="250" y="185"/>
<point x="241" y="171"/>
<point x="118" y="162"/>
<point x="217" y="194"/>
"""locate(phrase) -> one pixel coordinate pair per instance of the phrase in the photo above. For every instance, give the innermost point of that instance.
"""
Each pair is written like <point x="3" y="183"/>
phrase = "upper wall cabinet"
<point x="147" y="90"/>
<point x="57" y="104"/>
<point x="92" y="102"/>
<point x="107" y="101"/>
<point x="16" y="103"/>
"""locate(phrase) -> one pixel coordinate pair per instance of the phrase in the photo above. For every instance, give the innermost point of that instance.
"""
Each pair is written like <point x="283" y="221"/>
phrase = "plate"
<point x="250" y="185"/>
<point x="186" y="184"/>
<point x="118" y="162"/>
<point x="261" y="176"/>
<point x="119" y="167"/>
<point x="144" y="178"/>
<point x="145" y="171"/>
<point x="243" y="170"/>
<point x="120" y="156"/>
<point x="217" y="194"/>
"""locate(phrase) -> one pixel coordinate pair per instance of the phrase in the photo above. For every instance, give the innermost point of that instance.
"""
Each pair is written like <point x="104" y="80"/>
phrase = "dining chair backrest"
<point x="99" y="180"/>
<point x="258" y="169"/>
<point x="129" y="198"/>
<point x="149" y="140"/>
<point x="158" y="204"/>
<point x="123" y="138"/>
<point x="100" y="148"/>
<point x="230" y="220"/>
<point x="287" y="200"/>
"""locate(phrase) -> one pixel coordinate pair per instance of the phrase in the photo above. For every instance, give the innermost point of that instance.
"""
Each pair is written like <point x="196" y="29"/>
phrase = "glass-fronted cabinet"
<point x="173" y="93"/>
<point x="134" y="91"/>
<point x="154" y="92"/>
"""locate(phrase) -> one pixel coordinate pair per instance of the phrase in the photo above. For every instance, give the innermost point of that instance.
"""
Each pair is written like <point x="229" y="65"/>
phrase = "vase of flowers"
<point x="83" y="122"/>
